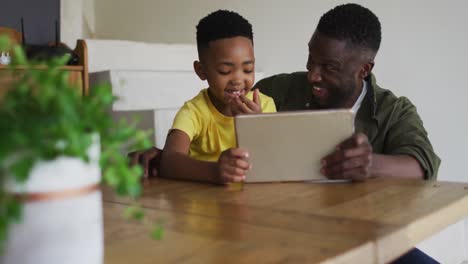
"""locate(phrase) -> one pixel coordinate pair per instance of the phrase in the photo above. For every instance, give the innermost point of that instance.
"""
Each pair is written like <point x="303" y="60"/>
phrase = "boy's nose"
<point x="236" y="82"/>
<point x="236" y="79"/>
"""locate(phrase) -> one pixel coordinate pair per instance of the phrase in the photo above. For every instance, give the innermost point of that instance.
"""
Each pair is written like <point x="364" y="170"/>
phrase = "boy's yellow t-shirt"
<point x="210" y="132"/>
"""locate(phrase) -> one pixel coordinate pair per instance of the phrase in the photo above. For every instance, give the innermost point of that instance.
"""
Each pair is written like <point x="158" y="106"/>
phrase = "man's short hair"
<point x="353" y="23"/>
<point x="222" y="24"/>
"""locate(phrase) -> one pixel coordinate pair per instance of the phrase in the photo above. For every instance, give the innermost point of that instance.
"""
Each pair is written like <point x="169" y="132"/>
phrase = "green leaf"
<point x="110" y="177"/>
<point x="137" y="171"/>
<point x="5" y="43"/>
<point x="20" y="57"/>
<point x="157" y="232"/>
<point x="14" y="210"/>
<point x="22" y="167"/>
<point x="59" y="61"/>
<point x="134" y="190"/>
<point x="134" y="212"/>
<point x="3" y="229"/>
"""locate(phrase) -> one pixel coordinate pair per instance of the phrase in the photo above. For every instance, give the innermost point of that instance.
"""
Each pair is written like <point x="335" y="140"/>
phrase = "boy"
<point x="201" y="144"/>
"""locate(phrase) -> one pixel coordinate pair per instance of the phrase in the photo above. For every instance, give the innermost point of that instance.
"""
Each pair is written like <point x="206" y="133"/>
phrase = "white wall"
<point x="423" y="54"/>
<point x="70" y="21"/>
<point x="89" y="18"/>
<point x="77" y="20"/>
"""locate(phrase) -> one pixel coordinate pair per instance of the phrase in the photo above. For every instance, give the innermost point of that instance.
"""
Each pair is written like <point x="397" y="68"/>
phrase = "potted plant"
<point x="54" y="144"/>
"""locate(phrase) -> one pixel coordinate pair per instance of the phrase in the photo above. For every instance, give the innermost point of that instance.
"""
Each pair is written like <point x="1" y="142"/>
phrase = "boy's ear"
<point x="198" y="67"/>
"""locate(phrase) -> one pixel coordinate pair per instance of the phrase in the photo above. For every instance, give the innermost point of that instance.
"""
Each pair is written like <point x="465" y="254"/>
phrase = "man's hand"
<point x="242" y="105"/>
<point x="352" y="159"/>
<point x="233" y="165"/>
<point x="149" y="159"/>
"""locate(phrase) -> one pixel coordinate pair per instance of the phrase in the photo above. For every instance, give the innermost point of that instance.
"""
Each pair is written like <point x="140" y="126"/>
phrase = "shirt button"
<point x="307" y="105"/>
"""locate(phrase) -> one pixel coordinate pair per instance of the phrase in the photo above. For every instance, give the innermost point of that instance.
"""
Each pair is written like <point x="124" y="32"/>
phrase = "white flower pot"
<point x="62" y="221"/>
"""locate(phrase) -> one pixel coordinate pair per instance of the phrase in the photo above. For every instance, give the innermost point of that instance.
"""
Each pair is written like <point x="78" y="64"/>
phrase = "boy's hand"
<point x="242" y="105"/>
<point x="233" y="165"/>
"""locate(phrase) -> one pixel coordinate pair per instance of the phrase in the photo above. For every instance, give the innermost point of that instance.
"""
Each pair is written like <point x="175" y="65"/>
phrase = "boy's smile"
<point x="233" y="93"/>
<point x="228" y="65"/>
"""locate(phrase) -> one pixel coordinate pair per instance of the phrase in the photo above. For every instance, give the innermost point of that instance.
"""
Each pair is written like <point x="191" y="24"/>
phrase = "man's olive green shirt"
<point x="391" y="123"/>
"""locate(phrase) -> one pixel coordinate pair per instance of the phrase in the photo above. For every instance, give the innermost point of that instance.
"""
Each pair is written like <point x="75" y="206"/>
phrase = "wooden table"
<point x="372" y="222"/>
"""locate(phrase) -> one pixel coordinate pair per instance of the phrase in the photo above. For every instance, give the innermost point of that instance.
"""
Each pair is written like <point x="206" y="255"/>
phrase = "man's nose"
<point x="314" y="74"/>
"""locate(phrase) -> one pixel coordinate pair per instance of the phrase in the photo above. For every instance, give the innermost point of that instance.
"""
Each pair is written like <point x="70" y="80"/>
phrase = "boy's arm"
<point x="177" y="164"/>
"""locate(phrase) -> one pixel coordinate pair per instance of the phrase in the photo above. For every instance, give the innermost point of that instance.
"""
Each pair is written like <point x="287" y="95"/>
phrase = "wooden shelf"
<point x="41" y="67"/>
<point x="78" y="73"/>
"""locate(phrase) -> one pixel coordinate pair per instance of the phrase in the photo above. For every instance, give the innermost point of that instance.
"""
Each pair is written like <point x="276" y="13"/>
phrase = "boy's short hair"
<point x="219" y="25"/>
<point x="353" y="23"/>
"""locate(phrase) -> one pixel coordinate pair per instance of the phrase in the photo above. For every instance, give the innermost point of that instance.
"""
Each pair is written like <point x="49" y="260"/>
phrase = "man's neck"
<point x="354" y="97"/>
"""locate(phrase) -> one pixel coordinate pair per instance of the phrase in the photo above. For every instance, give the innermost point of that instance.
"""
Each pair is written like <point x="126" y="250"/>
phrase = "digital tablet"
<point x="288" y="146"/>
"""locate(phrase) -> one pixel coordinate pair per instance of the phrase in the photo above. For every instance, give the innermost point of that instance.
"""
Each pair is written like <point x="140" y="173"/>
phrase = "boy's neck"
<point x="220" y="106"/>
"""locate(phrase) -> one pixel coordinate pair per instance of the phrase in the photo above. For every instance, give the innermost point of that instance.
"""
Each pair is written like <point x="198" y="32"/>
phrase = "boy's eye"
<point x="249" y="68"/>
<point x="224" y="72"/>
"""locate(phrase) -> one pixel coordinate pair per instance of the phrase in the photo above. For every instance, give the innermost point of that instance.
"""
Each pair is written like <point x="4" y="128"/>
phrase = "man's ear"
<point x="366" y="69"/>
<point x="198" y="67"/>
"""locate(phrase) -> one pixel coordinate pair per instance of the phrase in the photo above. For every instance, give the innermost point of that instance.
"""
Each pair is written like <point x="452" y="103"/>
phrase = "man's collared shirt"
<point x="358" y="102"/>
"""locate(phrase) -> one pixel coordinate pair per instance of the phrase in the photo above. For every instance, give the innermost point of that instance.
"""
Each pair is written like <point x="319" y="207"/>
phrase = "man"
<point x="390" y="139"/>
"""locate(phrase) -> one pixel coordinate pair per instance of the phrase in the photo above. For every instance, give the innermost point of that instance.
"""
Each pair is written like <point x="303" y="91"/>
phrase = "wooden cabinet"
<point x="78" y="75"/>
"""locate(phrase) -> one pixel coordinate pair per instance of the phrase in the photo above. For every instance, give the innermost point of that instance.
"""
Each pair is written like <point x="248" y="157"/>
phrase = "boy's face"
<point x="229" y="67"/>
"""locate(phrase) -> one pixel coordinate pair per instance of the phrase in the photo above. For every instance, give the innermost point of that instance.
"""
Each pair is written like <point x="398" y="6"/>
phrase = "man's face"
<point x="334" y="71"/>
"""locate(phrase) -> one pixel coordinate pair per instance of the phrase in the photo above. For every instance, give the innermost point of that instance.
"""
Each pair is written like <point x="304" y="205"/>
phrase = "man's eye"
<point x="331" y="68"/>
<point x="248" y="71"/>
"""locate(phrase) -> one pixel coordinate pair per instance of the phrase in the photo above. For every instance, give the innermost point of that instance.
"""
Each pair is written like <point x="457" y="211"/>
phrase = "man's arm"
<point x="353" y="159"/>
<point x="407" y="151"/>
<point x="397" y="166"/>
<point x="149" y="159"/>
<point x="407" y="136"/>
